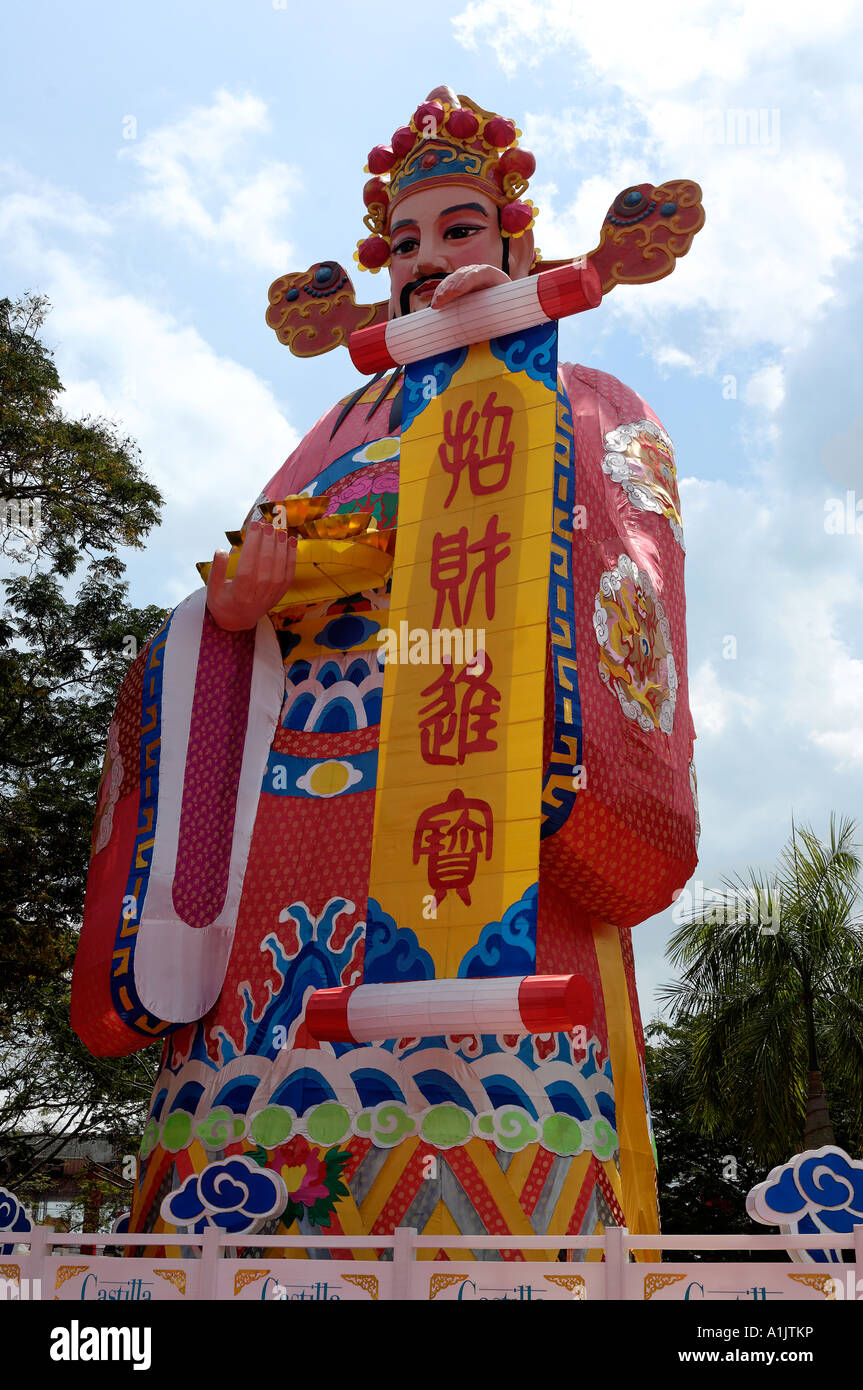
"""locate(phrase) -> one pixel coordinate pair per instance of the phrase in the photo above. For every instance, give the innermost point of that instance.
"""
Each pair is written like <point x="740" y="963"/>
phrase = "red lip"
<point x="427" y="291"/>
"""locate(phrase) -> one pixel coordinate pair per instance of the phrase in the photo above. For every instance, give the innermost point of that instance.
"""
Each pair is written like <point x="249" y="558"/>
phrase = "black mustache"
<point x="404" y="297"/>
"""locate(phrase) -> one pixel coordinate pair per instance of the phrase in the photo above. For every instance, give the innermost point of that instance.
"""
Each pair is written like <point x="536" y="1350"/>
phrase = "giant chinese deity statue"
<point x="382" y="804"/>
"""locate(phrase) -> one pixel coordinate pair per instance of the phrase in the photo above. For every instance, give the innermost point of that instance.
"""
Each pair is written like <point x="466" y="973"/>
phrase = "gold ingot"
<point x="293" y="512"/>
<point x="340" y="527"/>
<point x="381" y="540"/>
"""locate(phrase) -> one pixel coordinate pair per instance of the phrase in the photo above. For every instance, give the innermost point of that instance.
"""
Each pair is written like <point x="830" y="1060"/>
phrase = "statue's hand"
<point x="466" y="280"/>
<point x="265" y="572"/>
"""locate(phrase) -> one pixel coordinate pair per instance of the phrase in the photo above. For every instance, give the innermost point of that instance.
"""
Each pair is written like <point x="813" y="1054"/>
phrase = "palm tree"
<point x="771" y="992"/>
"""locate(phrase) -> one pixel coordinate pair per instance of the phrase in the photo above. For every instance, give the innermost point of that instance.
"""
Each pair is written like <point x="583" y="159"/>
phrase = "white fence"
<point x="36" y="1270"/>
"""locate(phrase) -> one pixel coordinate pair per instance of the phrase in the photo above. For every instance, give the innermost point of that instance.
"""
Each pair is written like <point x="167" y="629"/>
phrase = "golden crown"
<point x="448" y="137"/>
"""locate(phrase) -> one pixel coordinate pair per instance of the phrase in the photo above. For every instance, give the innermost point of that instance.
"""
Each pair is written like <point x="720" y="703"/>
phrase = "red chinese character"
<point x="448" y="573"/>
<point x="462" y="449"/>
<point x="467" y="723"/>
<point x="453" y="835"/>
<point x="449" y="570"/>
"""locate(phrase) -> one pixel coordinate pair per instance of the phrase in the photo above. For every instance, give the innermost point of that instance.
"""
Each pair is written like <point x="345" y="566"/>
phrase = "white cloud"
<point x="688" y="42"/>
<point x="773" y="222"/>
<point x="208" y="427"/>
<point x="821" y="688"/>
<point x="787" y="593"/>
<point x="211" y="433"/>
<point x="842" y="455"/>
<point x="764" y="277"/>
<point x="571" y="136"/>
<point x="195" y="172"/>
<point x="36" y="204"/>
<point x="669" y="356"/>
<point x="714" y="706"/>
<point x="844" y="746"/>
<point x="729" y="96"/>
<point x="766" y="388"/>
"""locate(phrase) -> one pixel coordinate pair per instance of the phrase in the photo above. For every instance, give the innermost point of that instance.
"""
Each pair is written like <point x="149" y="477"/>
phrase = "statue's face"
<point x="435" y="231"/>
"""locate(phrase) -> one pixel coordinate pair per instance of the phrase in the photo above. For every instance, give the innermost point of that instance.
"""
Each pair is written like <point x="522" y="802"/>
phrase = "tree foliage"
<point x="66" y="633"/>
<point x="54" y="1090"/>
<point x="84" y="474"/>
<point x="703" y="1178"/>
<point x="771" y="995"/>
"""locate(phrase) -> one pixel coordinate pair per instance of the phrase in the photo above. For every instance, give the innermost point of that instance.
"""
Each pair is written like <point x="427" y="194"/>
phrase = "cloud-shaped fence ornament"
<point x="234" y="1194"/>
<point x="819" y="1192"/>
<point x="14" y="1218"/>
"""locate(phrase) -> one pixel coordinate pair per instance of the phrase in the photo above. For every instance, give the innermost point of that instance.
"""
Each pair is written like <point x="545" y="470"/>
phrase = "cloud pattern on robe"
<point x="13" y="1217"/>
<point x="819" y="1192"/>
<point x="234" y="1194"/>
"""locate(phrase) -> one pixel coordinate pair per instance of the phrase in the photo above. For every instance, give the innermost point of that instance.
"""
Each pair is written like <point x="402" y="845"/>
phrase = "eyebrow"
<point x="464" y="207"/>
<point x="457" y="207"/>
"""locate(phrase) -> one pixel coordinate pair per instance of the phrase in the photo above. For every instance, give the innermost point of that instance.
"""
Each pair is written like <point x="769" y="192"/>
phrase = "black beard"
<point x="405" y="296"/>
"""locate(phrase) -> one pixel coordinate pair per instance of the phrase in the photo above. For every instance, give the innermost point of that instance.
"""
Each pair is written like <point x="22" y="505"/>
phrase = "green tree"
<point x="771" y="993"/>
<point x="82" y="477"/>
<point x="72" y="493"/>
<point x="52" y="1090"/>
<point x="61" y="653"/>
<point x="703" y="1178"/>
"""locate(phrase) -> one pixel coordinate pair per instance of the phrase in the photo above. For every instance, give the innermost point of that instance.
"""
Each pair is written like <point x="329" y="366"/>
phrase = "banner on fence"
<point x="103" y="1279"/>
<point x="304" y="1281"/>
<point x="488" y="1281"/>
<point x="756" y="1283"/>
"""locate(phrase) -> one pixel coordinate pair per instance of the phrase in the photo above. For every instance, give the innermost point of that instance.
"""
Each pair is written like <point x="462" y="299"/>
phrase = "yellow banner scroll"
<point x="457" y="813"/>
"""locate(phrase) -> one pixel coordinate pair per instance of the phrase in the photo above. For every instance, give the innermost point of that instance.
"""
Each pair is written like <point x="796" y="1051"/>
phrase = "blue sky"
<point x="161" y="165"/>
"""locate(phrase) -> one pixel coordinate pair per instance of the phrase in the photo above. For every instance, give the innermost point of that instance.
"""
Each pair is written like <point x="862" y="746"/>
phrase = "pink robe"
<point x="239" y="888"/>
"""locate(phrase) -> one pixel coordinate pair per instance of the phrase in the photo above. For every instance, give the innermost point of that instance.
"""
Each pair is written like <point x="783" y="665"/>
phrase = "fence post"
<point x="616" y="1256"/>
<point x="209" y="1267"/>
<point x="38" y="1249"/>
<point x="403" y="1261"/>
